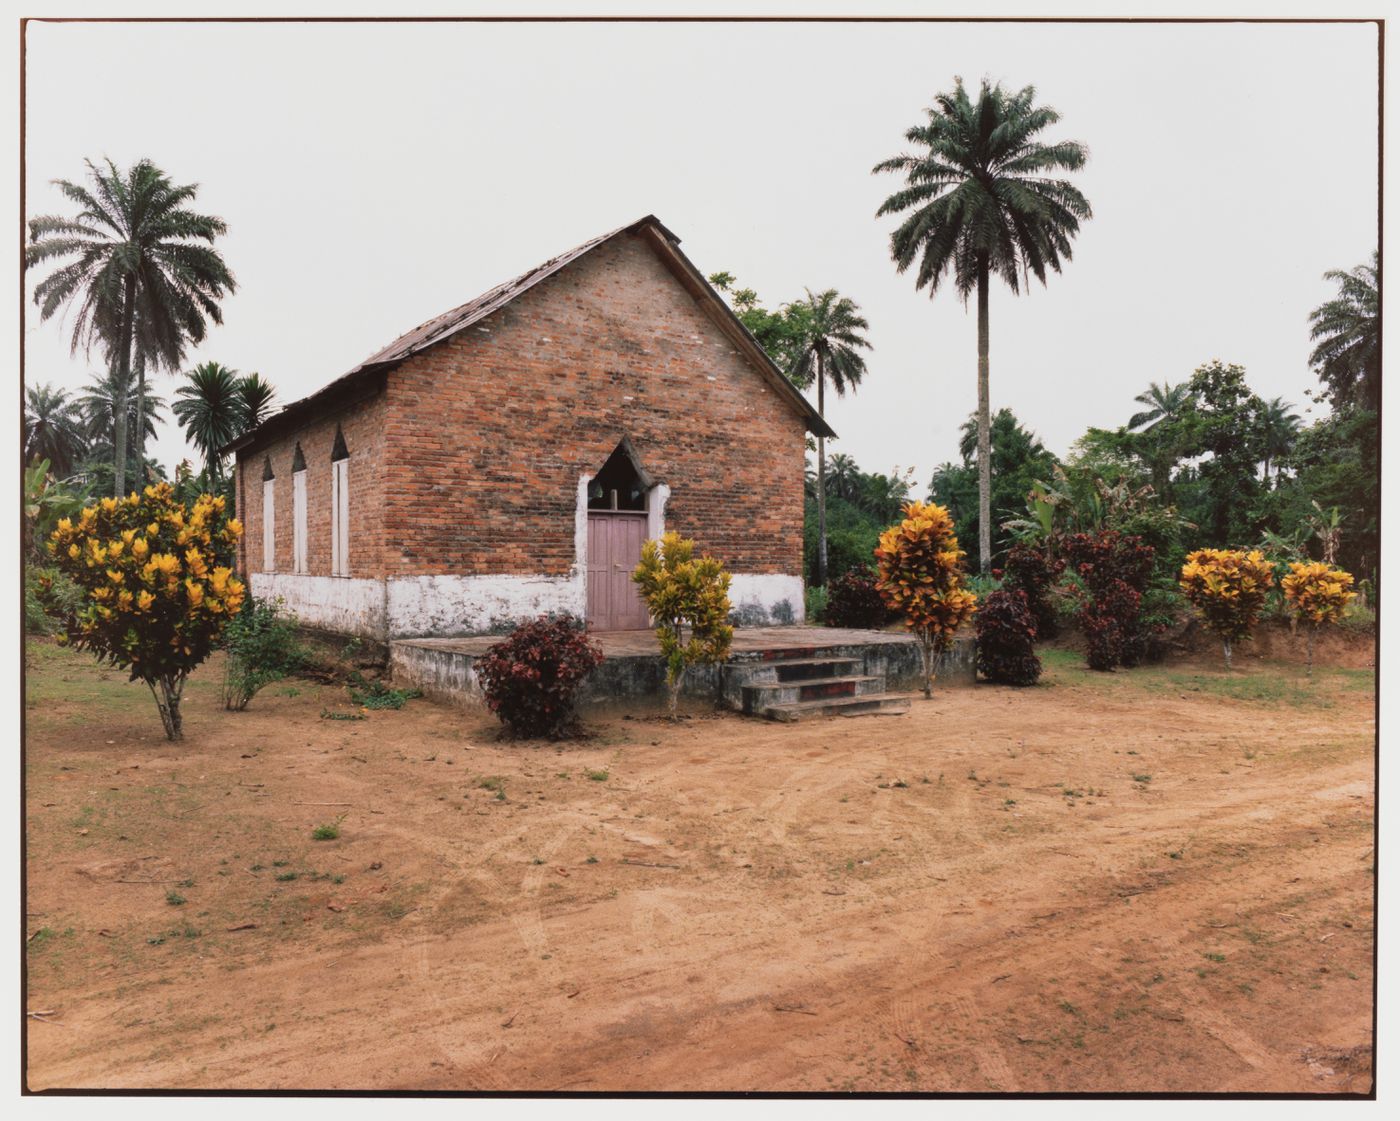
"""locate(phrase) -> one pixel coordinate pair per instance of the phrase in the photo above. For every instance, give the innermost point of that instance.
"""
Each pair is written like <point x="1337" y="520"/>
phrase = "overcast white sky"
<point x="374" y="175"/>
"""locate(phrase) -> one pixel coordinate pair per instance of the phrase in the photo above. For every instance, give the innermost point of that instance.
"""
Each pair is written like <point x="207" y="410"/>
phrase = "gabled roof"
<point x="435" y="330"/>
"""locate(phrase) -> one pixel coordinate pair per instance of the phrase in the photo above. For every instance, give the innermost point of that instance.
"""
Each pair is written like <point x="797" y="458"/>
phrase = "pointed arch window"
<point x="622" y="483"/>
<point x="269" y="518"/>
<point x="299" y="512"/>
<point x="340" y="506"/>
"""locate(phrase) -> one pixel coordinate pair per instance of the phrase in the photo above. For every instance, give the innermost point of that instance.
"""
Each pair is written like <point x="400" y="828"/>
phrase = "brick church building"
<point x="509" y="457"/>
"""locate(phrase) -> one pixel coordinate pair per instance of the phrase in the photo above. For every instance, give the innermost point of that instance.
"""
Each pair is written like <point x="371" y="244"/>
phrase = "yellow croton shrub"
<point x="156" y="589"/>
<point x="919" y="574"/>
<point x="1228" y="587"/>
<point x="688" y="600"/>
<point x="1317" y="593"/>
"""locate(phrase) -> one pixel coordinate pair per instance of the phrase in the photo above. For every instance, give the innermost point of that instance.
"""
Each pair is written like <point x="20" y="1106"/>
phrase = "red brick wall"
<point x="363" y="425"/>
<point x="491" y="428"/>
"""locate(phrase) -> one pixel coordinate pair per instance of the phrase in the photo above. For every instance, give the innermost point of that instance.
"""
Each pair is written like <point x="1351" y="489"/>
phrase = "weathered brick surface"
<point x="469" y="462"/>
<point x="363" y="425"/>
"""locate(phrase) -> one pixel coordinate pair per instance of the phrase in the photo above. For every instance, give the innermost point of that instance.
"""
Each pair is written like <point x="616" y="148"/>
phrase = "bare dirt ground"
<point x="1156" y="880"/>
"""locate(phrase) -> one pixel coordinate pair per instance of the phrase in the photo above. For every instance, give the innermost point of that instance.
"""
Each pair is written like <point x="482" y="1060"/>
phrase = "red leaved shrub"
<point x="530" y="678"/>
<point x="853" y="600"/>
<point x="1031" y="569"/>
<point x="1114" y="569"/>
<point x="1006" y="639"/>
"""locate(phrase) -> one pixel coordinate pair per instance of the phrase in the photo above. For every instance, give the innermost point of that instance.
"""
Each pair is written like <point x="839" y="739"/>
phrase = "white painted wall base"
<point x="341" y="604"/>
<point x="453" y="605"/>
<point x="421" y="606"/>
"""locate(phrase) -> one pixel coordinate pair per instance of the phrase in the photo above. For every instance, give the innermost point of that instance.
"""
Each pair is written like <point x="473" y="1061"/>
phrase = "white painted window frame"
<point x="299" y="564"/>
<point x="269" y="525"/>
<point x="340" y="517"/>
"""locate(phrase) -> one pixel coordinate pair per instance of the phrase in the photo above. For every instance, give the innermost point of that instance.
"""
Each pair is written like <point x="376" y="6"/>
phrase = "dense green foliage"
<point x="1018" y="459"/>
<point x="260" y="646"/>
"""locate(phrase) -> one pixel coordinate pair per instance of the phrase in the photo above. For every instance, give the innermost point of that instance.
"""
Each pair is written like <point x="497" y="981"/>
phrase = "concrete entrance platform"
<point x="443" y="667"/>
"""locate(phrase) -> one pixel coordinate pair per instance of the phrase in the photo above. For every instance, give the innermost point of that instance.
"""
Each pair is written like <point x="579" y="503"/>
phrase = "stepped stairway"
<point x="797" y="684"/>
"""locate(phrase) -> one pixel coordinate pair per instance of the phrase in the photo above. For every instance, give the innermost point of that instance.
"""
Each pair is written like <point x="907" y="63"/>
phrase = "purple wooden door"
<point x="614" y="551"/>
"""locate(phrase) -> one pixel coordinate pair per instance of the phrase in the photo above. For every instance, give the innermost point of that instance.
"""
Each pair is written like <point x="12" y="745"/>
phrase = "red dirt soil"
<point x="1159" y="880"/>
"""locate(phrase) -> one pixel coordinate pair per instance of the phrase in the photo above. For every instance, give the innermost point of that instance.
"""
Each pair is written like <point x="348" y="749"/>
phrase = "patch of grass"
<point x="591" y="860"/>
<point x="1142" y="779"/>
<point x="597" y="776"/>
<point x="175" y="899"/>
<point x="1214" y="957"/>
<point x="326" y="714"/>
<point x="288" y="877"/>
<point x="327" y="831"/>
<point x="377" y="695"/>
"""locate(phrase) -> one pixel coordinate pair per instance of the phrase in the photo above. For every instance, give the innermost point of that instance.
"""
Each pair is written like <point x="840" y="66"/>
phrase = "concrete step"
<point x="803" y="669"/>
<point x="764" y="694"/>
<point x="868" y="704"/>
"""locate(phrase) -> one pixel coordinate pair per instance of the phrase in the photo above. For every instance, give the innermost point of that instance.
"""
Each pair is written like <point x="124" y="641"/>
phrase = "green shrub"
<point x="49" y="598"/>
<point x="262" y="647"/>
<point x="816" y="605"/>
<point x="375" y="694"/>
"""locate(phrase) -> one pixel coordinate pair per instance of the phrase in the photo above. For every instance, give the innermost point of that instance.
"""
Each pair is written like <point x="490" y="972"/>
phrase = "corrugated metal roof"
<point x="450" y="322"/>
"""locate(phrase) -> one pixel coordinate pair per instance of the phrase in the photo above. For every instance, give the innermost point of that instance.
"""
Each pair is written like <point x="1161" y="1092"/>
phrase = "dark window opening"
<point x="267" y="469"/>
<point x="620" y="484"/>
<point x="298" y="460"/>
<point x="339" y="451"/>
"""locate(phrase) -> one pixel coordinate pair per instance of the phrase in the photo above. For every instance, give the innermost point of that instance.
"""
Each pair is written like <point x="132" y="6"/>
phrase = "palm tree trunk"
<point x="123" y="363"/>
<point x="821" y="477"/>
<point x="140" y="420"/>
<point x="984" y="425"/>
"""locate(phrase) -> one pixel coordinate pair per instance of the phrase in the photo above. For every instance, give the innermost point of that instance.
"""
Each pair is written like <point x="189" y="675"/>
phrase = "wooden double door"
<point x="614" y="550"/>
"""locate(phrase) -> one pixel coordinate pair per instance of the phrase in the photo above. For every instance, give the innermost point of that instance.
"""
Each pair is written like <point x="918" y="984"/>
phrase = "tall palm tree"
<point x="255" y="398"/>
<point x="1164" y="405"/>
<point x="211" y="410"/>
<point x="53" y="429"/>
<point x="981" y="201"/>
<point x="1279" y="426"/>
<point x="139" y="268"/>
<point x="1348" y="332"/>
<point x="829" y="347"/>
<point x="99" y="405"/>
<point x="844" y="476"/>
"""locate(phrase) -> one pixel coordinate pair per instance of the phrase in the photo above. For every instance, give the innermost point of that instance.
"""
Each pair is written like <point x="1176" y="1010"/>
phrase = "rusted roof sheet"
<point x="459" y="318"/>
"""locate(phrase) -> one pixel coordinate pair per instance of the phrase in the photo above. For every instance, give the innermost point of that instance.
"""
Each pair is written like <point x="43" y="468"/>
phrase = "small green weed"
<point x="597" y="776"/>
<point x="327" y="831"/>
<point x="175" y="899"/>
<point x="377" y="695"/>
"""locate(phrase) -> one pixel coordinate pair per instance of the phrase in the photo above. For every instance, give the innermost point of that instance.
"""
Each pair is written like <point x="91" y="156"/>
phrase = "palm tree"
<point x="255" y="395"/>
<point x="53" y="429"/>
<point x="1348" y="331"/>
<point x="99" y="405"/>
<point x="211" y="410"/>
<point x="136" y="273"/>
<point x="1278" y="425"/>
<point x="1165" y="404"/>
<point x="981" y="201"/>
<point x="830" y="346"/>
<point x="844" y="476"/>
